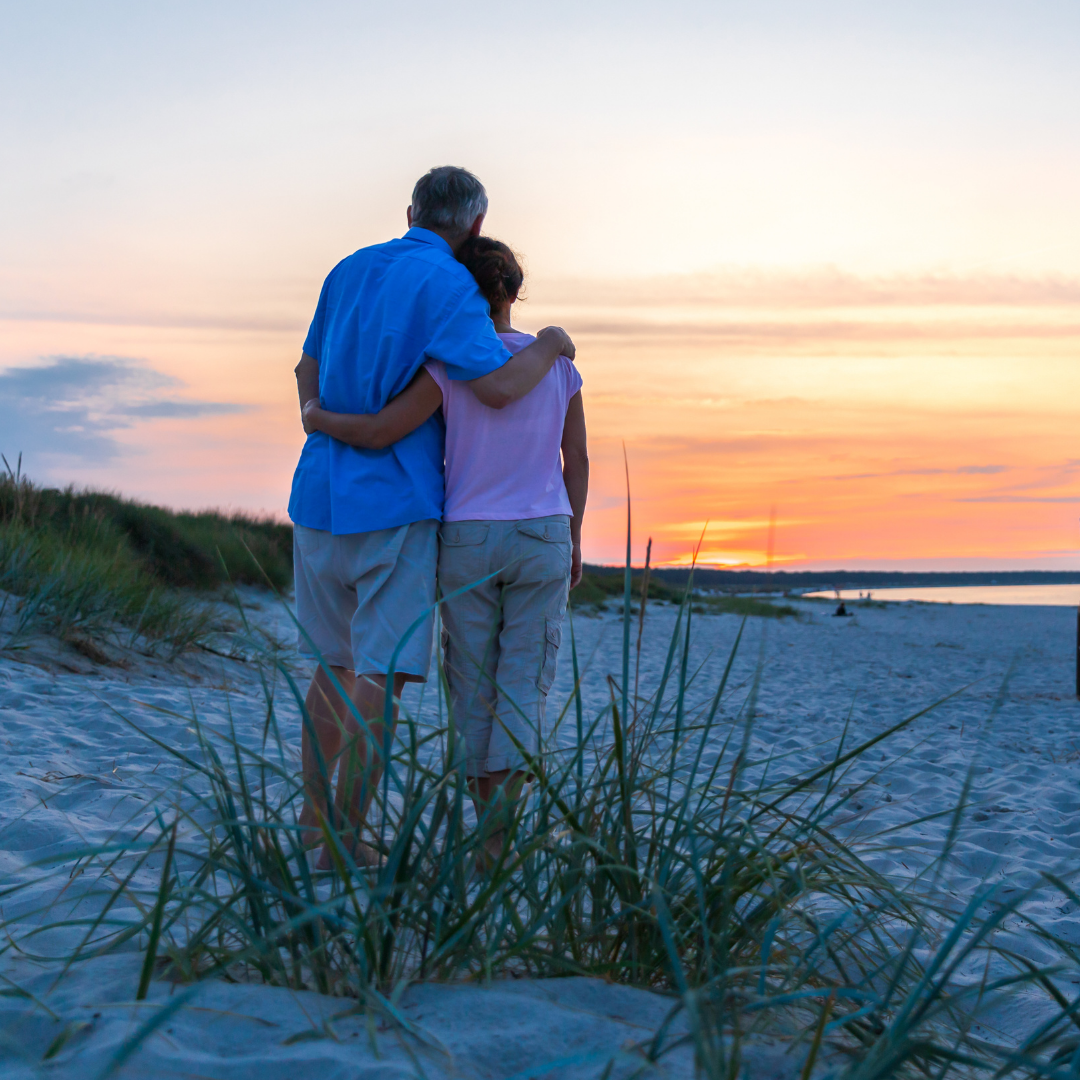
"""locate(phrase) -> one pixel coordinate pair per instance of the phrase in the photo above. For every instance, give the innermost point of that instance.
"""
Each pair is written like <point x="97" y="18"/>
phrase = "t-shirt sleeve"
<point x="437" y="370"/>
<point x="574" y="382"/>
<point x="466" y="341"/>
<point x="313" y="341"/>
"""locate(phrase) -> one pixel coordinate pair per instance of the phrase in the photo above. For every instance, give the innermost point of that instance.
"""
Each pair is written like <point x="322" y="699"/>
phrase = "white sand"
<point x="75" y="772"/>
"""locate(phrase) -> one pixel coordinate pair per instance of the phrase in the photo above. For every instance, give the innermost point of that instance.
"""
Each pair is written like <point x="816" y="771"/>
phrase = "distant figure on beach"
<point x="841" y="610"/>
<point x="516" y="487"/>
<point x="366" y="520"/>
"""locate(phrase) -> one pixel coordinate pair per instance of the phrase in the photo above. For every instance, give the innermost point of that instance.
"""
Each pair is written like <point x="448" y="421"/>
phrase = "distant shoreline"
<point x="783" y="580"/>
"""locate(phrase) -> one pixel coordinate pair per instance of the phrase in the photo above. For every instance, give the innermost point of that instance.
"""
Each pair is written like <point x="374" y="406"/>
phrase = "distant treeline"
<point x="784" y="580"/>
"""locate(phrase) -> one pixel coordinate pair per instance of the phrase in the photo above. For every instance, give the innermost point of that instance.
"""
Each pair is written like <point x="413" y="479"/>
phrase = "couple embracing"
<point x="444" y="447"/>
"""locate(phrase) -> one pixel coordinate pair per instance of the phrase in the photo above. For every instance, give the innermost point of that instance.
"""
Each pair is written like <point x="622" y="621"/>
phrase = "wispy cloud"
<point x="73" y="405"/>
<point x="1021" y="499"/>
<point x="961" y="470"/>
<point x="98" y="315"/>
<point x="853" y="334"/>
<point x="814" y="287"/>
<point x="820" y="311"/>
<point x="181" y="409"/>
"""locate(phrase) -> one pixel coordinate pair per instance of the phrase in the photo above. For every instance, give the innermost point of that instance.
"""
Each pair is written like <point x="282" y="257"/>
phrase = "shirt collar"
<point x="426" y="236"/>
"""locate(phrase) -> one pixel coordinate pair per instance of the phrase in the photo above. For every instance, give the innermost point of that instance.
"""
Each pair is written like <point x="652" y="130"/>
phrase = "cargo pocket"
<point x="552" y="641"/>
<point x="447" y="658"/>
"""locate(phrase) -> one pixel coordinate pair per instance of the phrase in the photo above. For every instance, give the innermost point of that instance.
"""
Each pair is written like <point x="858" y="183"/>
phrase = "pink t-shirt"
<point x="506" y="464"/>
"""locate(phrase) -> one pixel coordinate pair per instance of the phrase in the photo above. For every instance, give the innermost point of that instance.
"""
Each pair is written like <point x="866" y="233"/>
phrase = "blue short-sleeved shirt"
<point x="383" y="312"/>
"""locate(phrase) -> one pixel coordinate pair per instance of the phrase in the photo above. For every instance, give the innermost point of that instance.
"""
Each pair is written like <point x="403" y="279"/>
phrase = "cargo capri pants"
<point x="501" y="638"/>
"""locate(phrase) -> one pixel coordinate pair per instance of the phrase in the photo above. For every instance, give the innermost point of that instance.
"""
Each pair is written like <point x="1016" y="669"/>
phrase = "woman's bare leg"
<point x="495" y="795"/>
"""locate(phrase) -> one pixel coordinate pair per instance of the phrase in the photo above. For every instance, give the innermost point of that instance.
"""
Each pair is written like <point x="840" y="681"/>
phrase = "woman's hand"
<point x="575" y="567"/>
<point x="309" y="415"/>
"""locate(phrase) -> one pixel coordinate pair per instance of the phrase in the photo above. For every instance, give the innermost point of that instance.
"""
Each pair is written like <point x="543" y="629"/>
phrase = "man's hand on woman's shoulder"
<point x="524" y="369"/>
<point x="567" y="346"/>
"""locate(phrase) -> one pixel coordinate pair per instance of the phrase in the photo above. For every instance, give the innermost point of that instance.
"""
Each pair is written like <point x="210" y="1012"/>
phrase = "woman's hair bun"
<point x="495" y="268"/>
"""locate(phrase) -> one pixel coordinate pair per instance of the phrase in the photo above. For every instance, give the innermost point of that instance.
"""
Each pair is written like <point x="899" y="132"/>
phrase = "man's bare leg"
<point x="328" y="712"/>
<point x="361" y="764"/>
<point x="494" y="795"/>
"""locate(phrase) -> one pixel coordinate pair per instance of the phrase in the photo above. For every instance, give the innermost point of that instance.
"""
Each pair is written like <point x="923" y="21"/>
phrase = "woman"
<point x="517" y="481"/>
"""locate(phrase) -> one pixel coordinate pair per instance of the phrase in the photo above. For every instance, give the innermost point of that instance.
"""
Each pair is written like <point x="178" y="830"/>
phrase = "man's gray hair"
<point x="448" y="198"/>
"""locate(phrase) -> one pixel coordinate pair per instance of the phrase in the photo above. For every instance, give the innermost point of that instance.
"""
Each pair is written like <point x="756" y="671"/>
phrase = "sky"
<point x="821" y="260"/>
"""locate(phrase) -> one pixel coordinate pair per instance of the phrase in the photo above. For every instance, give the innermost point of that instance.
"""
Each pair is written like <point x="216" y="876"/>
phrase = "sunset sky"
<point x="821" y="260"/>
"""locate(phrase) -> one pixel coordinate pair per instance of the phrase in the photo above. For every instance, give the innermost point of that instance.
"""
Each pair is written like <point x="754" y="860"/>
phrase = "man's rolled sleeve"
<point x="466" y="342"/>
<point x="313" y="341"/>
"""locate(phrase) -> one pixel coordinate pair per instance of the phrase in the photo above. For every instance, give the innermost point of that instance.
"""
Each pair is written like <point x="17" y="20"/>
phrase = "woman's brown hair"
<point x="495" y="268"/>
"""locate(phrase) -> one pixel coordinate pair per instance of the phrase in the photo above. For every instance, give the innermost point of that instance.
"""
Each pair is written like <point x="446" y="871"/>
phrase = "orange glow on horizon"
<point x="891" y="433"/>
<point x="884" y="434"/>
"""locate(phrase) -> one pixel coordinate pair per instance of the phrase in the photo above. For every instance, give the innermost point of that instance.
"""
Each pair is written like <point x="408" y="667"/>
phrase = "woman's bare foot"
<point x="311" y="825"/>
<point x="363" y="855"/>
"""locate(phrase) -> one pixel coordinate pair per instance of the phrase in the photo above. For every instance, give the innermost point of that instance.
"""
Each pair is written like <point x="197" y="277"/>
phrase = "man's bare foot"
<point x="363" y="855"/>
<point x="490" y="852"/>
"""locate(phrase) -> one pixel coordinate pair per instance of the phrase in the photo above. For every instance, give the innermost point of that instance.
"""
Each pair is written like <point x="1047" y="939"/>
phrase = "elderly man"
<point x="366" y="521"/>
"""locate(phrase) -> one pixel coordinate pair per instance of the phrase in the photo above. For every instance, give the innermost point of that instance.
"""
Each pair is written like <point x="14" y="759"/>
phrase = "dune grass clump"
<point x="92" y="564"/>
<point x="745" y="605"/>
<point x="656" y="853"/>
<point x="84" y="592"/>
<point x="600" y="585"/>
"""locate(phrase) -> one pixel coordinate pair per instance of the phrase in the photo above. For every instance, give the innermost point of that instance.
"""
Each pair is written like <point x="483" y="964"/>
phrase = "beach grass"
<point x="603" y="585"/>
<point x="89" y="565"/>
<point x="744" y="605"/>
<point x="656" y="853"/>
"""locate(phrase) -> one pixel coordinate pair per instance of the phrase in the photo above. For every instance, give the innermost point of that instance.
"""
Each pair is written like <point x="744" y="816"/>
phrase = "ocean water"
<point x="1029" y="595"/>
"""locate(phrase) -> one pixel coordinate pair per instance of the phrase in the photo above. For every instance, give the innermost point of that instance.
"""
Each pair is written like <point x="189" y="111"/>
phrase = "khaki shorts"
<point x="501" y="639"/>
<point x="358" y="594"/>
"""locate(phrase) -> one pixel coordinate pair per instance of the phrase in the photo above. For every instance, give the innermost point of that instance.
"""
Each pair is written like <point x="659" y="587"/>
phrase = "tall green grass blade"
<point x="627" y="592"/>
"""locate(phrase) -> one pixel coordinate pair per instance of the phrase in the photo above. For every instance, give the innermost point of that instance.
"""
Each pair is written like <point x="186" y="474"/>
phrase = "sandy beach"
<point x="77" y="774"/>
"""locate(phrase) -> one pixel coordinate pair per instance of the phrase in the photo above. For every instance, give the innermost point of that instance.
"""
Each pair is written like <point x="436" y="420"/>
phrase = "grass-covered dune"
<point x="91" y="563"/>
